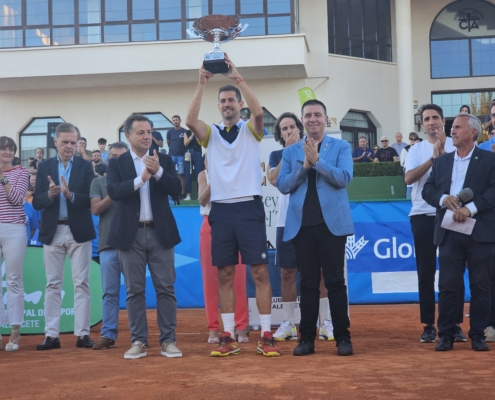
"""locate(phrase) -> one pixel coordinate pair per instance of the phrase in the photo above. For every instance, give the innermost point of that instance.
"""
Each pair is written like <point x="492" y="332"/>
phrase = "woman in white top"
<point x="210" y="273"/>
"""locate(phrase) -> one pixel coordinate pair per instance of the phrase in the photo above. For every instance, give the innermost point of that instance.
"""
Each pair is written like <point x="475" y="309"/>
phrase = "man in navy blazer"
<point x="316" y="171"/>
<point x="467" y="167"/>
<point x="144" y="232"/>
<point x="62" y="192"/>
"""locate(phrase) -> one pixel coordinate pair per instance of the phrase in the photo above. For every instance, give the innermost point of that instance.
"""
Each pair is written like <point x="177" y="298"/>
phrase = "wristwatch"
<point x="4" y="181"/>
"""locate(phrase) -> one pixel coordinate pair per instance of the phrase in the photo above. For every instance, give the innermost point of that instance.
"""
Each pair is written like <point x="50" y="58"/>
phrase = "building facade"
<point x="373" y="62"/>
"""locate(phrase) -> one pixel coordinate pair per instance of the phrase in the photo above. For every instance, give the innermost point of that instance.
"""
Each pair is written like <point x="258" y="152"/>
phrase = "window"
<point x="462" y="40"/>
<point x="478" y="102"/>
<point x="356" y="124"/>
<point x="269" y="120"/>
<point x="360" y="28"/>
<point x="28" y="23"/>
<point x="35" y="135"/>
<point x="160" y="123"/>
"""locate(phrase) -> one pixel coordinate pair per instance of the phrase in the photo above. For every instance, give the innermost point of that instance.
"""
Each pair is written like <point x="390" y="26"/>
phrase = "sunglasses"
<point x="384" y="141"/>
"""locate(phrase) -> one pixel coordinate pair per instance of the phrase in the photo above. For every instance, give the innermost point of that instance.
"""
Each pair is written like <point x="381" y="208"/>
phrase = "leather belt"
<point x="146" y="225"/>
<point x="63" y="222"/>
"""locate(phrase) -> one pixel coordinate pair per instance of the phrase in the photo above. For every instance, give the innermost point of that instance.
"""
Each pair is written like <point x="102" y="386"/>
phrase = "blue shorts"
<point x="285" y="257"/>
<point x="238" y="228"/>
<point x="179" y="161"/>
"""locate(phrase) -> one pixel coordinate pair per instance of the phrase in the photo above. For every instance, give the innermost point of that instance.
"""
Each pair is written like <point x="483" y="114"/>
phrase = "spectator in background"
<point x="465" y="109"/>
<point x="363" y="153"/>
<point x="102" y="145"/>
<point x="192" y="158"/>
<point x="399" y="144"/>
<point x="32" y="180"/>
<point x="413" y="136"/>
<point x="386" y="154"/>
<point x="375" y="149"/>
<point x="176" y="148"/>
<point x="490" y="143"/>
<point x="33" y="165"/>
<point x="31" y="215"/>
<point x="81" y="150"/>
<point x="488" y="119"/>
<point x="157" y="140"/>
<point x="13" y="188"/>
<point x="99" y="168"/>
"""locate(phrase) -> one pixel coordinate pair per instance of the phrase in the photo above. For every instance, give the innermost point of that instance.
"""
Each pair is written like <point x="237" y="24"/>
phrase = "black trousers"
<point x="455" y="250"/>
<point x="318" y="252"/>
<point x="423" y="229"/>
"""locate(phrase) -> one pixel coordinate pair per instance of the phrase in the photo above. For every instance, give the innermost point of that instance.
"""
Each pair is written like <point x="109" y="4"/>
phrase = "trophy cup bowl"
<point x="217" y="29"/>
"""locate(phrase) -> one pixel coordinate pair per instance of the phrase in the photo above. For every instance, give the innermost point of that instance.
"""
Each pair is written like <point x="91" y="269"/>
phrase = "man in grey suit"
<point x="315" y="172"/>
<point x="144" y="232"/>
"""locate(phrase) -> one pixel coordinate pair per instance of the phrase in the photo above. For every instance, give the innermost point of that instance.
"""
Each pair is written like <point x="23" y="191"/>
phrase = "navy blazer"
<point x="480" y="178"/>
<point x="120" y="187"/>
<point x="333" y="173"/>
<point x="80" y="220"/>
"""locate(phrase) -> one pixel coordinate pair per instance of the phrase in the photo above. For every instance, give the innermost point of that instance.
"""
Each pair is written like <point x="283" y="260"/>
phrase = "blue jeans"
<point x="198" y="164"/>
<point x="179" y="162"/>
<point x="110" y="281"/>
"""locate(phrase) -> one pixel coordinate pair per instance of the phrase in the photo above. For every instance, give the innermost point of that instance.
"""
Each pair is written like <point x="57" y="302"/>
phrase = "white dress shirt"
<point x="145" y="213"/>
<point x="459" y="171"/>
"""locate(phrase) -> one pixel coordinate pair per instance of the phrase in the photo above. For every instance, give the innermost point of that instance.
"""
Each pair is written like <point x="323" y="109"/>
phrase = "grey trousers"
<point x="147" y="249"/>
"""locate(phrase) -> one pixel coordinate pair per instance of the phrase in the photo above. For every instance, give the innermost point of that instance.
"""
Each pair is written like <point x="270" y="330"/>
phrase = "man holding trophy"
<point x="237" y="216"/>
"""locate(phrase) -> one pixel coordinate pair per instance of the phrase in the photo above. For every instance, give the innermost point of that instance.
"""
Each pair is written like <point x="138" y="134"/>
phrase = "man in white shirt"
<point x="418" y="168"/>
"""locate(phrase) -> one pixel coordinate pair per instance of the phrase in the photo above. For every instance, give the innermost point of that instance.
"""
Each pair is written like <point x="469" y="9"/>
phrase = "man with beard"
<point x="99" y="168"/>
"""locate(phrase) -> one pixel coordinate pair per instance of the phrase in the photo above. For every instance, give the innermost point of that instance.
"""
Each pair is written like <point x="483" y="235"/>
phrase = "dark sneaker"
<point x="304" y="348"/>
<point x="478" y="344"/>
<point x="345" y="348"/>
<point x="104" y="343"/>
<point x="429" y="334"/>
<point x="85" y="342"/>
<point x="445" y="344"/>
<point x="459" y="336"/>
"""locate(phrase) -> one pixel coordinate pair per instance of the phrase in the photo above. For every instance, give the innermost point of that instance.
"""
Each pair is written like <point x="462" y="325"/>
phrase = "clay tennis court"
<point x="389" y="363"/>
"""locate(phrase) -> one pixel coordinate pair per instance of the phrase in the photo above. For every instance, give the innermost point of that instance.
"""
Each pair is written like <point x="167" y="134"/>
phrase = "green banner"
<point x="306" y="94"/>
<point x="34" y="295"/>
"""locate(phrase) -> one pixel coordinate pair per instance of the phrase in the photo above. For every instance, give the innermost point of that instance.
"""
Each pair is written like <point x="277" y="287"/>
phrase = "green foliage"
<point x="377" y="169"/>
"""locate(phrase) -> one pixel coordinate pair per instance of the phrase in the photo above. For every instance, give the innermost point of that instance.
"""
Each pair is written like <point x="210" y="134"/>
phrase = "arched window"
<point x="36" y="134"/>
<point x="462" y="40"/>
<point x="269" y="120"/>
<point x="160" y="123"/>
<point x="356" y="124"/>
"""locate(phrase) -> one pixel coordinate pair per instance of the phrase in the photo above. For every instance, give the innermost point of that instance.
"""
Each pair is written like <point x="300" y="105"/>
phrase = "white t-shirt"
<point x="418" y="155"/>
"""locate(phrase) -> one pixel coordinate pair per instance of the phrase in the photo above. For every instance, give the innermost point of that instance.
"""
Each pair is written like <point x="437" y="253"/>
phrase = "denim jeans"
<point x="110" y="281"/>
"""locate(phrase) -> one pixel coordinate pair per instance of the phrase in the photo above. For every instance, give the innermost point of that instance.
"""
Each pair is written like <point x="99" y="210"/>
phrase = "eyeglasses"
<point x="384" y="141"/>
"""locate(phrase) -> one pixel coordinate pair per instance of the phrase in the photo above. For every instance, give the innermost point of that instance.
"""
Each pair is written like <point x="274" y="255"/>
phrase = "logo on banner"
<point x="352" y="248"/>
<point x="468" y="18"/>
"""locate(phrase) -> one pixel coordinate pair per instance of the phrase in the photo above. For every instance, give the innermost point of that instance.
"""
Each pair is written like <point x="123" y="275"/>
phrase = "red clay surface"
<point x="389" y="363"/>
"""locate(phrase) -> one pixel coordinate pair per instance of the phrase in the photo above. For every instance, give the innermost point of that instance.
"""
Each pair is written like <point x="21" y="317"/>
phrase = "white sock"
<point x="266" y="323"/>
<point x="289" y="309"/>
<point x="324" y="312"/>
<point x="228" y="323"/>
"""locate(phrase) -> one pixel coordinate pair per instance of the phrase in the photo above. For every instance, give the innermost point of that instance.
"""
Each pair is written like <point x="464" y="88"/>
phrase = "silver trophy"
<point x="217" y="29"/>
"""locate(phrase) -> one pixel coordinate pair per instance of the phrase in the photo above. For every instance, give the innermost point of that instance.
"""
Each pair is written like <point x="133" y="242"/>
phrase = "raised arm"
<point x="192" y="121"/>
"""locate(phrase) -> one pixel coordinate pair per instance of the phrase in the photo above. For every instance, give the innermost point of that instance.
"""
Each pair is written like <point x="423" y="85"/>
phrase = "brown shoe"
<point x="104" y="343"/>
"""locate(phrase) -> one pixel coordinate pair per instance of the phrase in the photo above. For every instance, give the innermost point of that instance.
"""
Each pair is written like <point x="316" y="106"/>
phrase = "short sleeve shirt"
<point x="193" y="144"/>
<point x="358" y="151"/>
<point x="385" y="155"/>
<point x="158" y="136"/>
<point x="176" y="142"/>
<point x="99" y="189"/>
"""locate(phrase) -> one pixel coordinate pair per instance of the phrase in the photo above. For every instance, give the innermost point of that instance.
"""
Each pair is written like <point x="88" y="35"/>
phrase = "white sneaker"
<point x="187" y="198"/>
<point x="137" y="350"/>
<point x="170" y="350"/>
<point x="490" y="334"/>
<point x="286" y="331"/>
<point x="326" y="331"/>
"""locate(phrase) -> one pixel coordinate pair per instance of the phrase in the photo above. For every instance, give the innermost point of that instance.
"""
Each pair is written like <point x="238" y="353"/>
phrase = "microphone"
<point x="465" y="196"/>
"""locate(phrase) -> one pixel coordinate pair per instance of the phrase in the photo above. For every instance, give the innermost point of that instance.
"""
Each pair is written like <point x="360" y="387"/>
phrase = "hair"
<point x="102" y="141"/>
<point x="473" y="123"/>
<point x="363" y="137"/>
<point x="433" y="107"/>
<point x="42" y="151"/>
<point x="313" y="102"/>
<point x="118" y="145"/>
<point x="96" y="151"/>
<point x="7" y="142"/>
<point x="130" y="121"/>
<point x="66" y="127"/>
<point x="83" y="138"/>
<point x="413" y="135"/>
<point x="176" y="116"/>
<point x="230" y="88"/>
<point x="465" y="105"/>
<point x="276" y="130"/>
<point x="31" y="158"/>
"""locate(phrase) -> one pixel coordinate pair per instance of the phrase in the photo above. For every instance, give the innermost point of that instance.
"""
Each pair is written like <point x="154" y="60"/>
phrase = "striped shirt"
<point x="12" y="204"/>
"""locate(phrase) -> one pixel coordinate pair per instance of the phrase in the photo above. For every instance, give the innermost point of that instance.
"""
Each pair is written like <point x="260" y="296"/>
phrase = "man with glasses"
<point x="386" y="153"/>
